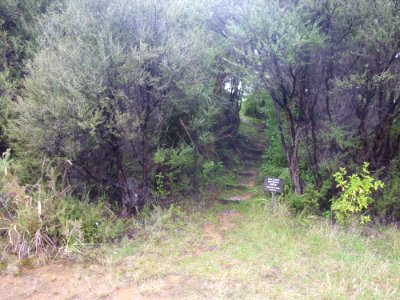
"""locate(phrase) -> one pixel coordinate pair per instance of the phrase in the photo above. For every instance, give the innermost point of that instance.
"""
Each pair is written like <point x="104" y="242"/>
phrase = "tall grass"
<point x="26" y="214"/>
<point x="44" y="220"/>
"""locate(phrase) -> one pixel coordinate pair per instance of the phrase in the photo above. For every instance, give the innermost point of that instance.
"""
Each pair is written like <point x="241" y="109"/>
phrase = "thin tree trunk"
<point x="295" y="170"/>
<point x="129" y="199"/>
<point x="196" y="158"/>
<point x="145" y="161"/>
<point x="291" y="153"/>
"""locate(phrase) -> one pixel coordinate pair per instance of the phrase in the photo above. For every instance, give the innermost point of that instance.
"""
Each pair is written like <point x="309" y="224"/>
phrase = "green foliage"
<point x="112" y="81"/>
<point x="18" y="24"/>
<point x="159" y="190"/>
<point x="337" y="136"/>
<point x="388" y="206"/>
<point x="274" y="159"/>
<point x="254" y="105"/>
<point x="355" y="195"/>
<point x="331" y="67"/>
<point x="5" y="164"/>
<point x="212" y="171"/>
<point x="93" y="222"/>
<point x="4" y="109"/>
<point x="114" y="76"/>
<point x="157" y="221"/>
<point x="174" y="165"/>
<point x="308" y="202"/>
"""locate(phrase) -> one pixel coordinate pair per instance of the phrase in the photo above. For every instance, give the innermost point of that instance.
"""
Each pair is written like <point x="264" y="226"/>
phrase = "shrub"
<point x="388" y="207"/>
<point x="307" y="202"/>
<point x="212" y="171"/>
<point x="27" y="218"/>
<point x="355" y="194"/>
<point x="174" y="164"/>
<point x="96" y="222"/>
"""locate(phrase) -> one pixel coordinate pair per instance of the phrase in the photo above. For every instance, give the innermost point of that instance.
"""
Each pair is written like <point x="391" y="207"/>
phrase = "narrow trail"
<point x="95" y="281"/>
<point x="252" y="148"/>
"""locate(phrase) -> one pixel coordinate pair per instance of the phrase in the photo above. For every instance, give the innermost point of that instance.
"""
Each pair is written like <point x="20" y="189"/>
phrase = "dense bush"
<point x="331" y="69"/>
<point x="134" y="101"/>
<point x="387" y="207"/>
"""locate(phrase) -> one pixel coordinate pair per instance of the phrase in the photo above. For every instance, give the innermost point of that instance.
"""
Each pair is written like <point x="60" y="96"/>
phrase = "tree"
<point x="277" y="46"/>
<point x="99" y="89"/>
<point x="18" y="19"/>
<point x="331" y="69"/>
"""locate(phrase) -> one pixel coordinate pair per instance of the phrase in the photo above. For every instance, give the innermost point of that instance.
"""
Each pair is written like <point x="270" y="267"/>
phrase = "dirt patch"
<point x="238" y="198"/>
<point x="170" y="287"/>
<point x="62" y="281"/>
<point x="58" y="281"/>
<point x="214" y="233"/>
<point x="228" y="219"/>
<point x="85" y="281"/>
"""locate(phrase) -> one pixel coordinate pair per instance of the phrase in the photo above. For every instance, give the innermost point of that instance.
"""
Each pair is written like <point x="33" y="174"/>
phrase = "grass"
<point x="233" y="192"/>
<point x="247" y="132"/>
<point x="252" y="119"/>
<point x="245" y="251"/>
<point x="273" y="255"/>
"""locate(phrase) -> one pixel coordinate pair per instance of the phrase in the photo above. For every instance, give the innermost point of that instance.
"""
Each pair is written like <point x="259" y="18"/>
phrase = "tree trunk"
<point x="294" y="170"/>
<point x="129" y="199"/>
<point x="145" y="161"/>
<point x="291" y="153"/>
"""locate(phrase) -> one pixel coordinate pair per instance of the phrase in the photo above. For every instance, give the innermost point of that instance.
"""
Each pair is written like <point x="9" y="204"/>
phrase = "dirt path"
<point x="58" y="281"/>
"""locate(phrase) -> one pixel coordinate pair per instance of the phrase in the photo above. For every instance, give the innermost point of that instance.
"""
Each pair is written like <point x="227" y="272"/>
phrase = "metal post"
<point x="273" y="201"/>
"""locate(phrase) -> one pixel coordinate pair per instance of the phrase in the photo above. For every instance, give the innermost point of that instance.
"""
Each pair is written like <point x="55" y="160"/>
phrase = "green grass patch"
<point x="247" y="132"/>
<point x="275" y="255"/>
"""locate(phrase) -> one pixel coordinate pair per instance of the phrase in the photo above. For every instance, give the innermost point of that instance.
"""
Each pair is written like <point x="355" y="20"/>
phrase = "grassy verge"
<point x="274" y="255"/>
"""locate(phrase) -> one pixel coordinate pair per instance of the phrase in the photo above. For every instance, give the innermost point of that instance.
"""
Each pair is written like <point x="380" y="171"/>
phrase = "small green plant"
<point x="212" y="171"/>
<point x="355" y="196"/>
<point x="388" y="207"/>
<point x="308" y="202"/>
<point x="174" y="166"/>
<point x="159" y="190"/>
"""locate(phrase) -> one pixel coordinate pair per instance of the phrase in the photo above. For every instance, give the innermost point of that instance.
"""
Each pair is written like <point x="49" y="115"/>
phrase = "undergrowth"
<point x="44" y="220"/>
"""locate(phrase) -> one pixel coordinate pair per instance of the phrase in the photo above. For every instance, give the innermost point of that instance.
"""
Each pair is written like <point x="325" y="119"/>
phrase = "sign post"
<point x="273" y="185"/>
